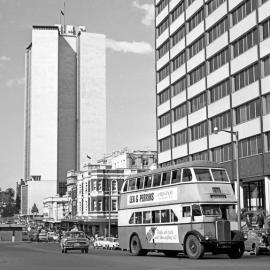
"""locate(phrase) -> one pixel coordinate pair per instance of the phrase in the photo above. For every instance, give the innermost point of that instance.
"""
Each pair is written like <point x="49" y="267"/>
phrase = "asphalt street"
<point x="47" y="256"/>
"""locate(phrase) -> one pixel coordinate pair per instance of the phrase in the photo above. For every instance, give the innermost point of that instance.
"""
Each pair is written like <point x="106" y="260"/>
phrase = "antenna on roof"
<point x="62" y="13"/>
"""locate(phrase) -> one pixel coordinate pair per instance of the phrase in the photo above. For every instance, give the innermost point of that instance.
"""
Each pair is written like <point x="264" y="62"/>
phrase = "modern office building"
<point x="65" y="108"/>
<point x="213" y="70"/>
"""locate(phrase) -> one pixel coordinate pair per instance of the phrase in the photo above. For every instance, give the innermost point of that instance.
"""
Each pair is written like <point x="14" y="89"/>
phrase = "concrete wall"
<point x="37" y="191"/>
<point x="92" y="97"/>
<point x="67" y="107"/>
<point x="44" y="102"/>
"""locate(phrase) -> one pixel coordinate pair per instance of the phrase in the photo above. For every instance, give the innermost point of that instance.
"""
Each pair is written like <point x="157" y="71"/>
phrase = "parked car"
<point x="99" y="242"/>
<point x="257" y="232"/>
<point x="43" y="237"/>
<point x="53" y="236"/>
<point x="112" y="243"/>
<point x="74" y="240"/>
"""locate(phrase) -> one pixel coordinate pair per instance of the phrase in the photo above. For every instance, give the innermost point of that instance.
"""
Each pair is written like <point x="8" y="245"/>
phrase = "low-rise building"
<point x="55" y="209"/>
<point x="138" y="159"/>
<point x="98" y="188"/>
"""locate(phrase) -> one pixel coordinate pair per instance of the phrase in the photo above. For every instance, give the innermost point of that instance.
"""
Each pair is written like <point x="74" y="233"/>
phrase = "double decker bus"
<point x="187" y="208"/>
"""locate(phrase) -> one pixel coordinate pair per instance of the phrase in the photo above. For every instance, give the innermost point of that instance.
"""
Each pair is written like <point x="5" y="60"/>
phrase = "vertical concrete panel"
<point x="44" y="99"/>
<point x="67" y="99"/>
<point x="92" y="97"/>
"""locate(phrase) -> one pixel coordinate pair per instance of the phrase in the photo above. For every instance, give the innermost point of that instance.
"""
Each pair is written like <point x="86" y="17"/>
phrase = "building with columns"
<point x="213" y="70"/>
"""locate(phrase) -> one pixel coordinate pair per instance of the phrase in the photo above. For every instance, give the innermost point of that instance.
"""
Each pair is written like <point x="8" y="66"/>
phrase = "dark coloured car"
<point x="74" y="240"/>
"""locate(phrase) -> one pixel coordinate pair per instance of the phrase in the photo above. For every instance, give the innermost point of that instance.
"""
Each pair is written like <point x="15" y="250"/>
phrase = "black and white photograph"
<point x="135" y="134"/>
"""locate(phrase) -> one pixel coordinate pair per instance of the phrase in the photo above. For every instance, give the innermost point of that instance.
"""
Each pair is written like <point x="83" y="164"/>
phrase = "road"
<point x="47" y="256"/>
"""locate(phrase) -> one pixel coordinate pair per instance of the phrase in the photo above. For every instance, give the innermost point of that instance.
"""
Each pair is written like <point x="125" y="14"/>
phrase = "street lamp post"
<point x="237" y="172"/>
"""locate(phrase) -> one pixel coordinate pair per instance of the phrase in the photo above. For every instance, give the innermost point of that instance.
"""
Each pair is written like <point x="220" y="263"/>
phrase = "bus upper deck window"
<point x="166" y="177"/>
<point x="139" y="183"/>
<point x="132" y="184"/>
<point x="176" y="176"/>
<point x="220" y="175"/>
<point x="187" y="175"/>
<point x="203" y="174"/>
<point x="147" y="181"/>
<point x="125" y="186"/>
<point x="156" y="180"/>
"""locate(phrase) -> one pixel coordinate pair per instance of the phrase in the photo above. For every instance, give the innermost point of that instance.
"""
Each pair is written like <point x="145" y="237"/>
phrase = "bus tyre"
<point x="135" y="246"/>
<point x="237" y="251"/>
<point x="193" y="247"/>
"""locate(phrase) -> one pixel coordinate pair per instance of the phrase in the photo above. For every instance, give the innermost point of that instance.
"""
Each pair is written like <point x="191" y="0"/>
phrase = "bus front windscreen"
<point x="220" y="175"/>
<point x="211" y="210"/>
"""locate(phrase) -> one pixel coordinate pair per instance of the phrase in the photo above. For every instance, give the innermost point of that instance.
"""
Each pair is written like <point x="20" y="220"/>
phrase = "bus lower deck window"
<point x="147" y="217"/>
<point x="165" y="216"/>
<point x="186" y="211"/>
<point x="156" y="216"/>
<point x="138" y="218"/>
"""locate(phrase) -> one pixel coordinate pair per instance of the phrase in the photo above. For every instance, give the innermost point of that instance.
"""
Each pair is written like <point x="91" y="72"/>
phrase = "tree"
<point x="10" y="192"/>
<point x="34" y="209"/>
<point x="8" y="211"/>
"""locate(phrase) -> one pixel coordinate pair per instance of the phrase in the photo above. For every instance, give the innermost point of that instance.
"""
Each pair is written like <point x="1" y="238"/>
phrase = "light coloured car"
<point x="43" y="237"/>
<point x="53" y="236"/>
<point x="112" y="243"/>
<point x="74" y="240"/>
<point x="99" y="242"/>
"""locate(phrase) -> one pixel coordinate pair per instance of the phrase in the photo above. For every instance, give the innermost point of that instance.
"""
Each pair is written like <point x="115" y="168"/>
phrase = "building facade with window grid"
<point x="216" y="72"/>
<point x="98" y="189"/>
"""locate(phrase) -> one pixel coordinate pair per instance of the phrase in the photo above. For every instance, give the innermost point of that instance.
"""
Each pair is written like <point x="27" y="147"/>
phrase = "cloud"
<point x="148" y="10"/>
<point x="4" y="58"/>
<point x="129" y="47"/>
<point x="15" y="82"/>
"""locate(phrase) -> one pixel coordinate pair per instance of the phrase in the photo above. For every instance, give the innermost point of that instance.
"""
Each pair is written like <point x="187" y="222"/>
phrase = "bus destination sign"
<point x="164" y="195"/>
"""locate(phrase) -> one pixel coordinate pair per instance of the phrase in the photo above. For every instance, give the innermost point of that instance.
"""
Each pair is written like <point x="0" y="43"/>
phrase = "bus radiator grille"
<point x="223" y="228"/>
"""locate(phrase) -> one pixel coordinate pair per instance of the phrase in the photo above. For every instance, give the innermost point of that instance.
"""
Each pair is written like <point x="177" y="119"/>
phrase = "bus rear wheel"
<point x="194" y="248"/>
<point x="135" y="246"/>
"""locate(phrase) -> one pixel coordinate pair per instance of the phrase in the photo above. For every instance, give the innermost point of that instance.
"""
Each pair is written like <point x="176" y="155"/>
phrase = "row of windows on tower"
<point x="235" y="16"/>
<point x="243" y="43"/>
<point x="225" y="120"/>
<point x="247" y="41"/>
<point x="247" y="147"/>
<point x="236" y="82"/>
<point x="98" y="205"/>
<point x="236" y="116"/>
<point x="179" y="9"/>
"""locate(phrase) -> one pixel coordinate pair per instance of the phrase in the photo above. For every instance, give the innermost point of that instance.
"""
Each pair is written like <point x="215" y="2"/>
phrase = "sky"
<point x="130" y="70"/>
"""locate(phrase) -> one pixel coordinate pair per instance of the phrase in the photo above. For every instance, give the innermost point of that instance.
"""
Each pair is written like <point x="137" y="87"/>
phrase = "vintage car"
<point x="53" y="236"/>
<point x="74" y="240"/>
<point x="112" y="243"/>
<point x="99" y="242"/>
<point x="256" y="231"/>
<point x="43" y="236"/>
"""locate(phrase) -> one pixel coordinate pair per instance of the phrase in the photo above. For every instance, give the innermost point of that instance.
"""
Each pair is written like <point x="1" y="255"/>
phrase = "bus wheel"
<point x="135" y="246"/>
<point x="194" y="248"/>
<point x="237" y="251"/>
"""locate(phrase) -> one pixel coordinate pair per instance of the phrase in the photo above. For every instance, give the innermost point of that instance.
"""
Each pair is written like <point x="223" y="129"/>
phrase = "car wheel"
<point x="82" y="250"/>
<point x="65" y="250"/>
<point x="86" y="250"/>
<point x="193" y="247"/>
<point x="237" y="251"/>
<point x="62" y="250"/>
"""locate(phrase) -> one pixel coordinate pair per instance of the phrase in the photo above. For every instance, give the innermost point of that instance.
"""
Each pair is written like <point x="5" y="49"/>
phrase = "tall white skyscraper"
<point x="65" y="109"/>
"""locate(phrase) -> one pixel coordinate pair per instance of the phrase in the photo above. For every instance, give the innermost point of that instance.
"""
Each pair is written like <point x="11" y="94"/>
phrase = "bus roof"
<point x="195" y="163"/>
